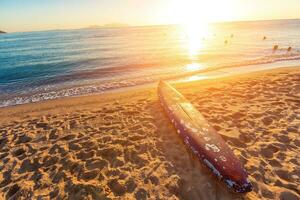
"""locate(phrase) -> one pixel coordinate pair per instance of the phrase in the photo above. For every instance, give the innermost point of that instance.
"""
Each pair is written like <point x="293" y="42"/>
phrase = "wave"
<point x="80" y="90"/>
<point x="268" y="59"/>
<point x="109" y="78"/>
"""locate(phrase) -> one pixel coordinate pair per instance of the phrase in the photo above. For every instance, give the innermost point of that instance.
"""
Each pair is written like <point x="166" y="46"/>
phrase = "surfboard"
<point x="203" y="140"/>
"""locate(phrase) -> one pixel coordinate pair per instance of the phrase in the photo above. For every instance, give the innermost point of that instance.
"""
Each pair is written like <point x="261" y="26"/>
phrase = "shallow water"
<point x="35" y="66"/>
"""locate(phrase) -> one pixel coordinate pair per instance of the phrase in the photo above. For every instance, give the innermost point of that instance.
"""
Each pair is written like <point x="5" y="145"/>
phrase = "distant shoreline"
<point x="111" y="25"/>
<point x="148" y="25"/>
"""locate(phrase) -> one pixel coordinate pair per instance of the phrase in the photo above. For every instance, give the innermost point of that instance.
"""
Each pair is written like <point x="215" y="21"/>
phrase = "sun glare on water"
<point x="194" y="67"/>
<point x="194" y="17"/>
<point x="195" y="34"/>
<point x="194" y="27"/>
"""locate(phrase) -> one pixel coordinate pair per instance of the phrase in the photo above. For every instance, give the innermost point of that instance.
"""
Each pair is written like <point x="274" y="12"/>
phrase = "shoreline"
<point x="205" y="74"/>
<point x="120" y="145"/>
<point x="125" y="91"/>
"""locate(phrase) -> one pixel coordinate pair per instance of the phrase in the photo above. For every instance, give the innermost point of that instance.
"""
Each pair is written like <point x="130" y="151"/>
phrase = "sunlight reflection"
<point x="194" y="67"/>
<point x="195" y="32"/>
<point x="196" y="78"/>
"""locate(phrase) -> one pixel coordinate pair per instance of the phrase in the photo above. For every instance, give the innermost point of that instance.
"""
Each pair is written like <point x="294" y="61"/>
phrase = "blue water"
<point x="36" y="66"/>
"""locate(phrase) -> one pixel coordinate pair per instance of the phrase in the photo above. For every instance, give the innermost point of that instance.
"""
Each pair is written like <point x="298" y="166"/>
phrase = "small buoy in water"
<point x="264" y="38"/>
<point x="226" y="42"/>
<point x="275" y="47"/>
<point x="289" y="49"/>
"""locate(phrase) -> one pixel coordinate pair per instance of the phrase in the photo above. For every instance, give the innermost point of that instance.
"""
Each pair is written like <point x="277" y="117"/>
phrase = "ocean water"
<point x="36" y="66"/>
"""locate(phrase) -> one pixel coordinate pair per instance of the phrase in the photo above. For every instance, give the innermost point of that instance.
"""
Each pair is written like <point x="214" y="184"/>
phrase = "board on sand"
<point x="203" y="140"/>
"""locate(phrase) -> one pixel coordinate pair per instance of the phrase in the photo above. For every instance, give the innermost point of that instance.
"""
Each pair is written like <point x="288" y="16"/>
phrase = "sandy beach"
<point x="122" y="146"/>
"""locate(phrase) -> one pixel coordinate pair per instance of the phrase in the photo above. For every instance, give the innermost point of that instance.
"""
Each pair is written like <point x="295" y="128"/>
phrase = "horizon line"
<point x="103" y="26"/>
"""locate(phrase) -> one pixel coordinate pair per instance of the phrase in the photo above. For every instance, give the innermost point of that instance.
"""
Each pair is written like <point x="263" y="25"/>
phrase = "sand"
<point x="122" y="145"/>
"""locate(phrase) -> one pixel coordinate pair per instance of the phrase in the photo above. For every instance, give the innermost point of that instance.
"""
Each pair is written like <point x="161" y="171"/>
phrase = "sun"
<point x="194" y="26"/>
<point x="191" y="16"/>
<point x="201" y="11"/>
<point x="194" y="16"/>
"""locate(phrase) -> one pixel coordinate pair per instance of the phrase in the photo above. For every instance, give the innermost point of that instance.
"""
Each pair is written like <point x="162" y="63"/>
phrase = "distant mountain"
<point x="94" y="26"/>
<point x="2" y="32"/>
<point x="111" y="25"/>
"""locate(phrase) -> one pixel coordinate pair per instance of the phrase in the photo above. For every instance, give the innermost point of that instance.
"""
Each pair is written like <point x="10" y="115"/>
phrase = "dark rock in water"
<point x="275" y="47"/>
<point x="2" y="32"/>
<point x="289" y="49"/>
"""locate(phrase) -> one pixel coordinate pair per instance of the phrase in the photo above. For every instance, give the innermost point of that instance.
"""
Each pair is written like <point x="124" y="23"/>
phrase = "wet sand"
<point x="122" y="145"/>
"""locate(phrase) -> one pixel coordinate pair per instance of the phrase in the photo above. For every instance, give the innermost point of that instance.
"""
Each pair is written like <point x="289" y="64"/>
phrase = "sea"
<point x="37" y="66"/>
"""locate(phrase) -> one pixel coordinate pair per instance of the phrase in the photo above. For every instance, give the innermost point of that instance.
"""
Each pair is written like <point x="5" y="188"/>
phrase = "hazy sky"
<point x="27" y="15"/>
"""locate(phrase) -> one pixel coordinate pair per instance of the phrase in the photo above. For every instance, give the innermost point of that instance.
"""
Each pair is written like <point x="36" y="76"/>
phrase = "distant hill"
<point x="111" y="25"/>
<point x="2" y="32"/>
<point x="94" y="26"/>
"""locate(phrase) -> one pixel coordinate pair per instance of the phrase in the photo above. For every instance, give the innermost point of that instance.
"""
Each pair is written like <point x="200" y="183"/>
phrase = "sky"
<point x="33" y="15"/>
